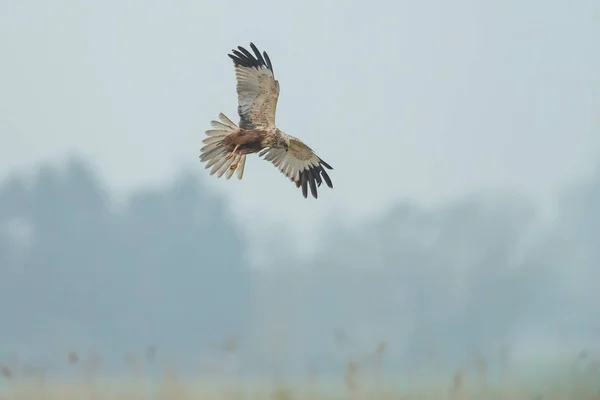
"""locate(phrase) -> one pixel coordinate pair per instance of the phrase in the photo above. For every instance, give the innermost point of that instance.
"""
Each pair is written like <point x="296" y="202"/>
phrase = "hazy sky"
<point x="424" y="100"/>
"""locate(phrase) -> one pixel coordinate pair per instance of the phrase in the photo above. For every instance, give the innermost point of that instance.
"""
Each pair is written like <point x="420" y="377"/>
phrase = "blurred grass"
<point x="580" y="380"/>
<point x="104" y="390"/>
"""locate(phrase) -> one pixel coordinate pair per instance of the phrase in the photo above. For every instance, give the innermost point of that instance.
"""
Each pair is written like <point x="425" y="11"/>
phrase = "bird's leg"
<point x="233" y="152"/>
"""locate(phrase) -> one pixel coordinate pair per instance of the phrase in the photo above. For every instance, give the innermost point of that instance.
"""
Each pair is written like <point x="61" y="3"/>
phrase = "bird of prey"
<point x="227" y="144"/>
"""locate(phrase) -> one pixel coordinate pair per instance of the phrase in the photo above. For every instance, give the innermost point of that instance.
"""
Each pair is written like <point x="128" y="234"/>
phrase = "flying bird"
<point x="227" y="144"/>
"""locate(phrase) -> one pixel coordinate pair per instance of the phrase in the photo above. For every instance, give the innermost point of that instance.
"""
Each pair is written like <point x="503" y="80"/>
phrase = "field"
<point x="579" y="380"/>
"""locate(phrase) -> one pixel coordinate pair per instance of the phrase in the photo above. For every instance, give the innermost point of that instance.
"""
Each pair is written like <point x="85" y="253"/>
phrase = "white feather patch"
<point x="240" y="168"/>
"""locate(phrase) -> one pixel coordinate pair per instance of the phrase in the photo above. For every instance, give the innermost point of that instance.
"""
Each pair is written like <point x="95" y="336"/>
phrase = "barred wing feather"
<point x="300" y="164"/>
<point x="256" y="88"/>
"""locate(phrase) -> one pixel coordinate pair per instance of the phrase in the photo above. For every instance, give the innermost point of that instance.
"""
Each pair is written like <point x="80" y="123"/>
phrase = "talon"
<point x="233" y="166"/>
<point x="232" y="153"/>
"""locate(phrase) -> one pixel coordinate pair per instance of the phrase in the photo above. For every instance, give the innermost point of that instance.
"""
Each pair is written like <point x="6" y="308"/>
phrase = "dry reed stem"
<point x="27" y="382"/>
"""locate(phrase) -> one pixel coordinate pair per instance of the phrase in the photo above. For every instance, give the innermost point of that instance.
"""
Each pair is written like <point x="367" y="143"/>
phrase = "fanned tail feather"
<point x="214" y="152"/>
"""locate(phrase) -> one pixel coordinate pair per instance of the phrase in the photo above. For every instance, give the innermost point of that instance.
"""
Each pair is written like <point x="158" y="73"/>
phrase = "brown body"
<point x="247" y="141"/>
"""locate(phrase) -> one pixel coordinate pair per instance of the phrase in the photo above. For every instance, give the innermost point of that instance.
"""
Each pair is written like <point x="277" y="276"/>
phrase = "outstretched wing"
<point x="300" y="164"/>
<point x="256" y="87"/>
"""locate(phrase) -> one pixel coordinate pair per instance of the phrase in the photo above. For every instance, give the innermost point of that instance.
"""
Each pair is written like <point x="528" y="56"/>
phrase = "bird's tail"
<point x="215" y="153"/>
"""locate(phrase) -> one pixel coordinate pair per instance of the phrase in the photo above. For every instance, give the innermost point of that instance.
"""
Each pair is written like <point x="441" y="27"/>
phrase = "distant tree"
<point x="168" y="268"/>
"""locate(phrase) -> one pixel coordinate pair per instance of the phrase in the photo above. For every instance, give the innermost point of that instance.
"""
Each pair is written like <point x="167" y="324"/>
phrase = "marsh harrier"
<point x="227" y="144"/>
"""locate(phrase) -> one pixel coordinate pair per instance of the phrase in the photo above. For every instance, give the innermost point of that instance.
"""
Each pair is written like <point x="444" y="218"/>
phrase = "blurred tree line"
<point x="483" y="276"/>
<point x="166" y="268"/>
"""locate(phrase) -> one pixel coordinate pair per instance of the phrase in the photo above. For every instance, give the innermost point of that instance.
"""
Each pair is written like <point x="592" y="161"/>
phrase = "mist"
<point x="478" y="277"/>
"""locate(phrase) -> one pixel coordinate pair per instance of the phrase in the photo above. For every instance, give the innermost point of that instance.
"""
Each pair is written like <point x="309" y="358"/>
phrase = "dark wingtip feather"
<point x="313" y="189"/>
<point x="257" y="53"/>
<point x="234" y="58"/>
<point x="247" y="53"/>
<point x="312" y="182"/>
<point x="316" y="173"/>
<point x="268" y="61"/>
<point x="325" y="164"/>
<point x="326" y="178"/>
<point x="243" y="57"/>
<point x="312" y="177"/>
<point x="304" y="183"/>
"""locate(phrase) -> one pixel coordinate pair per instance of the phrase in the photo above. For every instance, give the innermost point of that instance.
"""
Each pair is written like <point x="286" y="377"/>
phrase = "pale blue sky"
<point x="423" y="100"/>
